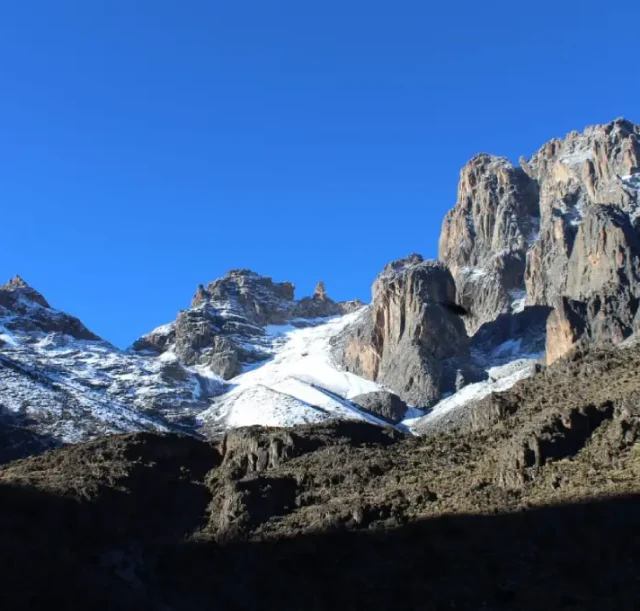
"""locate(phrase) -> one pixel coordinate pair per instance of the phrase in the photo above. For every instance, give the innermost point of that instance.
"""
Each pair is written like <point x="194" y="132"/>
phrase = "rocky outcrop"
<point x="24" y="310"/>
<point x="587" y="259"/>
<point x="587" y="207"/>
<point x="320" y="305"/>
<point x="410" y="339"/>
<point x="257" y="449"/>
<point x="320" y="292"/>
<point x="562" y="225"/>
<point x="605" y="318"/>
<point x="19" y="288"/>
<point x="225" y="327"/>
<point x="257" y="298"/>
<point x="511" y="335"/>
<point x="486" y="235"/>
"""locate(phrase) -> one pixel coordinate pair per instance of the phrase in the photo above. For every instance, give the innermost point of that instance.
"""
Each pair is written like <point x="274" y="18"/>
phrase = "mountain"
<point x="61" y="383"/>
<point x="468" y="440"/>
<point x="245" y="353"/>
<point x="535" y="262"/>
<point x="531" y="505"/>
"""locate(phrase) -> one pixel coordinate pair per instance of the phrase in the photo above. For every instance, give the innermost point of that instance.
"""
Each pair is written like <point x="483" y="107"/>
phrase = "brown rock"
<point x="586" y="211"/>
<point x="583" y="193"/>
<point x="409" y="340"/>
<point x="320" y="292"/>
<point x="486" y="235"/>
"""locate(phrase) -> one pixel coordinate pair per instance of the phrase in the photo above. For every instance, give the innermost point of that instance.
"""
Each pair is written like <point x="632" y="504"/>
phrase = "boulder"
<point x="382" y="404"/>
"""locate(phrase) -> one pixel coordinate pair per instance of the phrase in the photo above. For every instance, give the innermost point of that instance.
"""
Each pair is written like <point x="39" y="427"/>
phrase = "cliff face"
<point x="564" y="225"/>
<point x="411" y="338"/>
<point x="588" y="202"/>
<point x="485" y="237"/>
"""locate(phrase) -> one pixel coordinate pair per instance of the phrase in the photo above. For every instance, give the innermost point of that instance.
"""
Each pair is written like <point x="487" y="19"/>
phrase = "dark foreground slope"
<point x="533" y="506"/>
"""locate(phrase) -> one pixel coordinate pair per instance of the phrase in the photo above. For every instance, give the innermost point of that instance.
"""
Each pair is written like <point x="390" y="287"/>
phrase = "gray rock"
<point x="410" y="339"/>
<point x="383" y="404"/>
<point x="224" y="328"/>
<point x="563" y="225"/>
<point x="602" y="319"/>
<point x="486" y="235"/>
<point x="583" y="199"/>
<point x="512" y="335"/>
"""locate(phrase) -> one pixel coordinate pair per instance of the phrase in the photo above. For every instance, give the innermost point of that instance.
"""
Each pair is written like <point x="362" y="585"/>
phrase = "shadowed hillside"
<point x="59" y="553"/>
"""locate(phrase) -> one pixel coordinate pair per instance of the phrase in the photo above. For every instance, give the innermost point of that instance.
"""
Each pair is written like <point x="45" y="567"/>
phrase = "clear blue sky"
<point x="147" y="146"/>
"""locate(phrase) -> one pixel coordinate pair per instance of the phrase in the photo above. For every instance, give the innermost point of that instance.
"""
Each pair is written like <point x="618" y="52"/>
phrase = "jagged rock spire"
<point x="201" y="296"/>
<point x="320" y="292"/>
<point x="16" y="282"/>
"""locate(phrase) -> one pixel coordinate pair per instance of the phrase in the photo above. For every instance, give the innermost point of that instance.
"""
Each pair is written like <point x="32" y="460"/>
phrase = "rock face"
<point x="225" y="326"/>
<point x="410" y="339"/>
<point x="563" y="226"/>
<point x="588" y="200"/>
<point x="486" y="235"/>
<point x="586" y="262"/>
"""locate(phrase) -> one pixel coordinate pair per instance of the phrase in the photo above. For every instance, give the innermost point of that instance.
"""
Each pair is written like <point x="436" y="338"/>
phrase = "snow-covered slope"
<point x="455" y="409"/>
<point x="299" y="383"/>
<point x="77" y="389"/>
<point x="62" y="383"/>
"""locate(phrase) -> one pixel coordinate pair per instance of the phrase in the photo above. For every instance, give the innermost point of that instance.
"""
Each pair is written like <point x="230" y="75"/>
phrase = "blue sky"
<point x="148" y="146"/>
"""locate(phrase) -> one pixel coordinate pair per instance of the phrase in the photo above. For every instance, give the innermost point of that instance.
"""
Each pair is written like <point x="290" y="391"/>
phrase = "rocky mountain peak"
<point x="427" y="280"/>
<point x="320" y="292"/>
<point x="486" y="235"/>
<point x="225" y="327"/>
<point x="401" y="265"/>
<point x="15" y="282"/>
<point x="563" y="225"/>
<point x="19" y="288"/>
<point x="25" y="312"/>
<point x="201" y="297"/>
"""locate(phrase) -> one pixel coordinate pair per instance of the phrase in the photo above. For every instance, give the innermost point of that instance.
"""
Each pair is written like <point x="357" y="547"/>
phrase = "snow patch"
<point x="475" y="274"/>
<point x="162" y="329"/>
<point x="632" y="181"/>
<point x="518" y="300"/>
